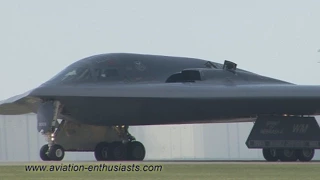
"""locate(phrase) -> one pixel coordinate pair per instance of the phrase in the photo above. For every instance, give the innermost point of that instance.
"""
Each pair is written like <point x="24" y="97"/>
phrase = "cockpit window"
<point x="106" y="74"/>
<point x="77" y="74"/>
<point x="73" y="74"/>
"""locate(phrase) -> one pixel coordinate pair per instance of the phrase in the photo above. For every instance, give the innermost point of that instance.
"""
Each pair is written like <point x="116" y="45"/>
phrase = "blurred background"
<point x="39" y="38"/>
<point x="20" y="141"/>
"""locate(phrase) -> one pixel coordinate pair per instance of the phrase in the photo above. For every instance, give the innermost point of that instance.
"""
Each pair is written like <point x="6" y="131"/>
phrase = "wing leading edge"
<point x="304" y="96"/>
<point x="181" y="90"/>
<point x="302" y="99"/>
<point x="20" y="104"/>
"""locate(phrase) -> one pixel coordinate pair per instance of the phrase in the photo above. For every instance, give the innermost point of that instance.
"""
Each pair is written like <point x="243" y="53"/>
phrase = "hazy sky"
<point x="277" y="38"/>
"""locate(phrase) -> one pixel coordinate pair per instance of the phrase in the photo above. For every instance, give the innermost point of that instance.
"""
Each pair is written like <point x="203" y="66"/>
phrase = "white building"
<point x="20" y="141"/>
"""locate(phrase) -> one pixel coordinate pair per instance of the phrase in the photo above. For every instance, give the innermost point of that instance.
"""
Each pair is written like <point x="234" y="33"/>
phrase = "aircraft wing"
<point x="304" y="98"/>
<point x="20" y="104"/>
<point x="200" y="98"/>
<point x="182" y="90"/>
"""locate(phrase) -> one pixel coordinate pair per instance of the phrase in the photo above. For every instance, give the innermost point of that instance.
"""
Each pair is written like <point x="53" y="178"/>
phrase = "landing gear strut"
<point x="51" y="151"/>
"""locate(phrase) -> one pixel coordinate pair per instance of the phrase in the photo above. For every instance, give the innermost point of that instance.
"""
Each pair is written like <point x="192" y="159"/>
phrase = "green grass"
<point x="178" y="171"/>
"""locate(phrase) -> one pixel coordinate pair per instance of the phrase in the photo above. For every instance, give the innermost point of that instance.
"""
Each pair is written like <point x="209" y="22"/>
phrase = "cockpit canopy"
<point x="103" y="68"/>
<point x="125" y="68"/>
<point x="86" y="73"/>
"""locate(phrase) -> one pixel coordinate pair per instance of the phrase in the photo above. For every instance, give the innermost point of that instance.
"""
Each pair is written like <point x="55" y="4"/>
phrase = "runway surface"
<point x="158" y="162"/>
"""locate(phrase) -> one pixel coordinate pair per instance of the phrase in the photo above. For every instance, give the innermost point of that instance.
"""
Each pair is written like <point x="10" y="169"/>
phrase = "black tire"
<point x="101" y="151"/>
<point x="270" y="154"/>
<point x="56" y="152"/>
<point x="136" y="151"/>
<point x="118" y="151"/>
<point x="43" y="153"/>
<point x="287" y="155"/>
<point x="305" y="155"/>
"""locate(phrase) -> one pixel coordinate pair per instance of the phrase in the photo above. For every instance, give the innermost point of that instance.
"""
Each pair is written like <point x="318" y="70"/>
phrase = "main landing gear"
<point x="288" y="155"/>
<point x="116" y="151"/>
<point x="107" y="143"/>
<point x="113" y="143"/>
<point x="285" y="138"/>
<point x="120" y="151"/>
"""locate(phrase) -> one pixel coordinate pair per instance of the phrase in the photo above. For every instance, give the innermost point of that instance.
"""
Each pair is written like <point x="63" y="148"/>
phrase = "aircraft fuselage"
<point x="129" y="70"/>
<point x="99" y="97"/>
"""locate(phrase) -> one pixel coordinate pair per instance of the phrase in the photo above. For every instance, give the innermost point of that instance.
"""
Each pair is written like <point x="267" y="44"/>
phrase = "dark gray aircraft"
<point x="90" y="105"/>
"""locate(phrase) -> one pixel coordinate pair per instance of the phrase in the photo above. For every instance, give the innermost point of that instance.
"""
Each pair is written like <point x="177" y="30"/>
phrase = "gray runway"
<point x="158" y="162"/>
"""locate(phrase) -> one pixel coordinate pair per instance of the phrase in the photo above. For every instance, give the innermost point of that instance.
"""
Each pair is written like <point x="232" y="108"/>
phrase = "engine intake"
<point x="202" y="74"/>
<point x="188" y="75"/>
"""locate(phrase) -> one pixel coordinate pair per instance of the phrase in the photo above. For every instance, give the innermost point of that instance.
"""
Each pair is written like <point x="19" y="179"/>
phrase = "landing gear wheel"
<point x="136" y="151"/>
<point x="43" y="153"/>
<point x="117" y="151"/>
<point x="305" y="155"/>
<point x="270" y="154"/>
<point x="287" y="155"/>
<point x="101" y="151"/>
<point x="56" y="152"/>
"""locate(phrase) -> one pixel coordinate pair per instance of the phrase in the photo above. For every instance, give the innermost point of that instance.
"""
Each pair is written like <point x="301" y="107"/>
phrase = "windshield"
<point x="73" y="74"/>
